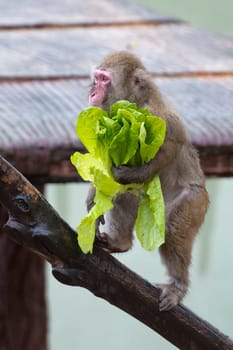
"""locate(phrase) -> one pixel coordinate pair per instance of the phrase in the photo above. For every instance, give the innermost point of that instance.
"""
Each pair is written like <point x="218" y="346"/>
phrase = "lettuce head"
<point x="126" y="136"/>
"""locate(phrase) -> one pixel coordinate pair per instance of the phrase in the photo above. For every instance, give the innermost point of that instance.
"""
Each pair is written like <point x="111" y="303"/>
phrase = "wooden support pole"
<point x="23" y="315"/>
<point x="34" y="224"/>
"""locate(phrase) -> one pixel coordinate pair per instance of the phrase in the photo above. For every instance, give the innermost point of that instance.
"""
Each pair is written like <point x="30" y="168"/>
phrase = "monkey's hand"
<point x="126" y="175"/>
<point x="123" y="174"/>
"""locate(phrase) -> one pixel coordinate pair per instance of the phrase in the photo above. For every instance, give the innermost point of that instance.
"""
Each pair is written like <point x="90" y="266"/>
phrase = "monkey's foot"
<point x="102" y="241"/>
<point x="171" y="295"/>
<point x="105" y="241"/>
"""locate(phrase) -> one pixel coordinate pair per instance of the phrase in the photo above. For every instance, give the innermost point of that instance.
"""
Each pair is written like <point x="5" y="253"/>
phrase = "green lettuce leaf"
<point x="151" y="137"/>
<point x="86" y="228"/>
<point x="150" y="222"/>
<point x="128" y="149"/>
<point x="86" y="128"/>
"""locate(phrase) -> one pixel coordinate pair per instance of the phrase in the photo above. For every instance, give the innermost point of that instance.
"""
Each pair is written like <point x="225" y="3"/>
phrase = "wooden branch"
<point x="34" y="224"/>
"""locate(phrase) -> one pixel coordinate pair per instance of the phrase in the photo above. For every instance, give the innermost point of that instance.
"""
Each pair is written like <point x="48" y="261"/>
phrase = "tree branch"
<point x="34" y="224"/>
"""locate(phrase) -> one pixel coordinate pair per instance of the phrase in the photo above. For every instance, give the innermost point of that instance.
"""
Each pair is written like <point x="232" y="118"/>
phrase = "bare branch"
<point x="34" y="224"/>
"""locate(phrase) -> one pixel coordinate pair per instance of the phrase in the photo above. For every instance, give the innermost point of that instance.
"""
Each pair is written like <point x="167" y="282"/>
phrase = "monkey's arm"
<point x="176" y="137"/>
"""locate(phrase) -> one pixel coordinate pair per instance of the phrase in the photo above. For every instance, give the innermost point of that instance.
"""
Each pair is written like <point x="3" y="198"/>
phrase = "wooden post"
<point x="23" y="319"/>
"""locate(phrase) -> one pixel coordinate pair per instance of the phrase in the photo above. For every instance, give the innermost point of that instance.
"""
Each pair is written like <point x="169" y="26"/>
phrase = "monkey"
<point x="122" y="76"/>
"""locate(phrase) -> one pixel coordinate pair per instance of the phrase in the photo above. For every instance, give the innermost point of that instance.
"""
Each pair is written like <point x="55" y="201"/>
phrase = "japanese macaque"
<point x="119" y="76"/>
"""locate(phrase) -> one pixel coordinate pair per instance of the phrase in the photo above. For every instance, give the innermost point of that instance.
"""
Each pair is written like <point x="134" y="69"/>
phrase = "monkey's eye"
<point x="105" y="78"/>
<point x="102" y="76"/>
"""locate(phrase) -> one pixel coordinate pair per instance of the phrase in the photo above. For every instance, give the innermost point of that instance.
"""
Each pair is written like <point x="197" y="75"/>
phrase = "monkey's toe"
<point x="170" y="296"/>
<point x="102" y="236"/>
<point x="102" y="240"/>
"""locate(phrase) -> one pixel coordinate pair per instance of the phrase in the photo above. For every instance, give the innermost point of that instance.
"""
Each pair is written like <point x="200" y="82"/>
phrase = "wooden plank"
<point x="73" y="12"/>
<point x="170" y="49"/>
<point x="38" y="121"/>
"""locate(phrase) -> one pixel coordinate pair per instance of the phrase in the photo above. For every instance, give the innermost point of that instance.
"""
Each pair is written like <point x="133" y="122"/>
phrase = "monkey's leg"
<point x="116" y="235"/>
<point x="182" y="227"/>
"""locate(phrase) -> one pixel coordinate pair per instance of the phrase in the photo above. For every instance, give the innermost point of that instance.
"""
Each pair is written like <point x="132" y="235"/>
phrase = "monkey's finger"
<point x="114" y="171"/>
<point x="101" y="219"/>
<point x="90" y="205"/>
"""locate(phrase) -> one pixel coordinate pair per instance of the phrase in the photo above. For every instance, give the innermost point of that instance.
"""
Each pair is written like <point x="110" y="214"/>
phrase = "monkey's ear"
<point x="140" y="78"/>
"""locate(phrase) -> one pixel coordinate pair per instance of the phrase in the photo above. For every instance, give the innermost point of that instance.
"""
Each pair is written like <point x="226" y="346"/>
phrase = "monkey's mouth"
<point x="96" y="98"/>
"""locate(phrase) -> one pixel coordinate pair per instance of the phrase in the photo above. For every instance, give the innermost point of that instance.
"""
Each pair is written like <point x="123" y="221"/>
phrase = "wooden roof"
<point x="48" y="49"/>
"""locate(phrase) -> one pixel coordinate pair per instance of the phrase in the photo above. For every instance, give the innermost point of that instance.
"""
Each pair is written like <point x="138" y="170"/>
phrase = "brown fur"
<point x="177" y="164"/>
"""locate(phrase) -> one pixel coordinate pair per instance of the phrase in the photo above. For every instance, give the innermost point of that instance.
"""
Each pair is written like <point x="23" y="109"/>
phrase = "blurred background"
<point x="79" y="320"/>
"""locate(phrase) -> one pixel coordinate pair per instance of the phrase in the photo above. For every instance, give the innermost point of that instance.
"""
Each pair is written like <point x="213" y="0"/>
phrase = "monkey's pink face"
<point x="102" y="80"/>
